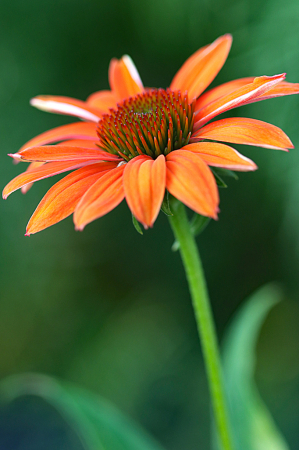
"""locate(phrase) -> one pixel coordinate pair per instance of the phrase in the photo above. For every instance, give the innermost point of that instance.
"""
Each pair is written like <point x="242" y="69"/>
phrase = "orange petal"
<point x="282" y="88"/>
<point x="103" y="196"/>
<point x="32" y="166"/>
<point x="239" y="97"/>
<point x="239" y="130"/>
<point x="221" y="155"/>
<point x="48" y="153"/>
<point x="76" y="130"/>
<point x="61" y="200"/>
<point x="45" y="171"/>
<point x="202" y="67"/>
<point x="72" y="143"/>
<point x="191" y="181"/>
<point x="124" y="79"/>
<point x="144" y="185"/>
<point x="79" y="143"/>
<point x="68" y="106"/>
<point x="220" y="91"/>
<point x="184" y="71"/>
<point x="103" y="100"/>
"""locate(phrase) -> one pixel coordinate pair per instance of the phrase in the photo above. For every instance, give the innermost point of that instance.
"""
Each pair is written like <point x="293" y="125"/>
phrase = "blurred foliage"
<point x="107" y="308"/>
<point x="252" y="425"/>
<point x="96" y="424"/>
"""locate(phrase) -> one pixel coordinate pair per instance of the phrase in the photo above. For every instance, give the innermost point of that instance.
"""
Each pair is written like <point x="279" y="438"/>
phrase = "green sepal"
<point x="220" y="183"/>
<point x="175" y="246"/>
<point x="197" y="225"/>
<point x="136" y="225"/>
<point x="165" y="207"/>
<point x="225" y="173"/>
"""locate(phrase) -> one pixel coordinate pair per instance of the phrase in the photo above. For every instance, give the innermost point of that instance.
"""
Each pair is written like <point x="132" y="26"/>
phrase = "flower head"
<point x="137" y="143"/>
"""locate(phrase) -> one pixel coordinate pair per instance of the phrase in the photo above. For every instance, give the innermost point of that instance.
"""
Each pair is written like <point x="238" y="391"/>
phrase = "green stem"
<point x="203" y="314"/>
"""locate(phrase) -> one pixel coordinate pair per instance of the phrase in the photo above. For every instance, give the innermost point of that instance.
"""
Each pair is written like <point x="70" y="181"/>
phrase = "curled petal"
<point x="239" y="130"/>
<point x="282" y="88"/>
<point x="144" y="185"/>
<point x="103" y="100"/>
<point x="189" y="179"/>
<point x="76" y="130"/>
<point x="45" y="171"/>
<point x="124" y="78"/>
<point x="219" y="91"/>
<point x="237" y="98"/>
<point x="61" y="200"/>
<point x="103" y="196"/>
<point x="201" y="68"/>
<point x="48" y="153"/>
<point x="68" y="106"/>
<point x="221" y="155"/>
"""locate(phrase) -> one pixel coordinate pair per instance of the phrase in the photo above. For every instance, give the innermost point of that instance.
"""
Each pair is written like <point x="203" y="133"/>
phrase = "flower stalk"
<point x="204" y="319"/>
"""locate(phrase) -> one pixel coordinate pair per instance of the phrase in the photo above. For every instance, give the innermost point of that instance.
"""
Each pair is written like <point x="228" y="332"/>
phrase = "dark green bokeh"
<point x="107" y="308"/>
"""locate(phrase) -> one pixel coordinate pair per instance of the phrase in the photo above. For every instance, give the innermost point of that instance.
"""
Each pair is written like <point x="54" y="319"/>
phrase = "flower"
<point x="136" y="143"/>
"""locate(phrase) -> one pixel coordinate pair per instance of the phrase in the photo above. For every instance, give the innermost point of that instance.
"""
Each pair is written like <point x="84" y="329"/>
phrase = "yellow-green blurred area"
<point x="109" y="309"/>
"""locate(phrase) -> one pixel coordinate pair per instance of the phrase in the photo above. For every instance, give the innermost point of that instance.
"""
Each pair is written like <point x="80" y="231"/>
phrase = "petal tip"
<point x="290" y="145"/>
<point x="25" y="189"/>
<point x="27" y="233"/>
<point x="14" y="155"/>
<point x="37" y="102"/>
<point x="281" y="75"/>
<point x="228" y="37"/>
<point x="252" y="167"/>
<point x="79" y="227"/>
<point x="148" y="225"/>
<point x="215" y="214"/>
<point x="32" y="101"/>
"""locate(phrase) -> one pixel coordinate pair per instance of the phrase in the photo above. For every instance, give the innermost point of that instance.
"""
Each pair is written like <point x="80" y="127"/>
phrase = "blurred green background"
<point x="107" y="308"/>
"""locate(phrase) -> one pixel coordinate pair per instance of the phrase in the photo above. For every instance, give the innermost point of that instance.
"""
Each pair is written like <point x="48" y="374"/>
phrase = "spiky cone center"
<point x="153" y="123"/>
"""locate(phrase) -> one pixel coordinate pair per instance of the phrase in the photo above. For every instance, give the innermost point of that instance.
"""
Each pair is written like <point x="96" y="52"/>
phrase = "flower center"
<point x="152" y="123"/>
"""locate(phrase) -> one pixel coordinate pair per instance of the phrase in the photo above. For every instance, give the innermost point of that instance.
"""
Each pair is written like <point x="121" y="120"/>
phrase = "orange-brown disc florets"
<point x="152" y="123"/>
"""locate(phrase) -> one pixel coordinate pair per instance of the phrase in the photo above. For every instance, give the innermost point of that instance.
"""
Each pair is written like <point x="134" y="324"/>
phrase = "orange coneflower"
<point x="136" y="142"/>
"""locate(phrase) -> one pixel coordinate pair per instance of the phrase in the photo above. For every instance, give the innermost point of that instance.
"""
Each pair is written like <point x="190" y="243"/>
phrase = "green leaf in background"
<point x="98" y="424"/>
<point x="253" y="426"/>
